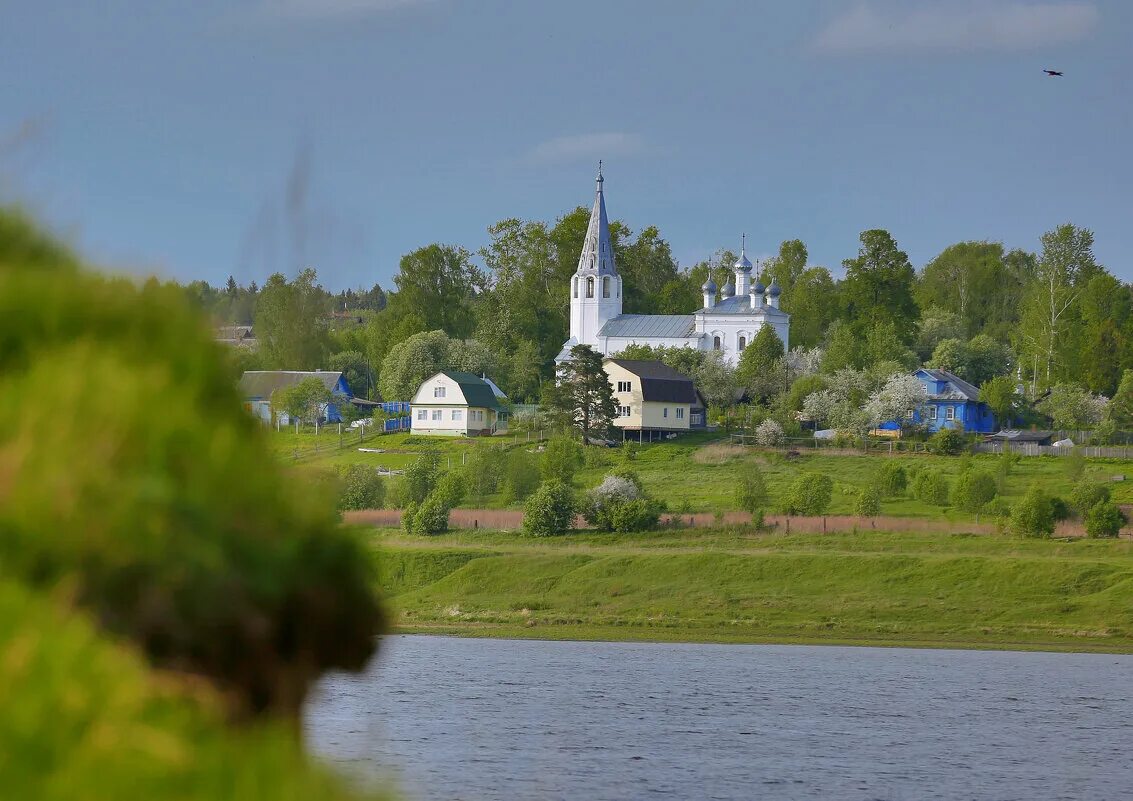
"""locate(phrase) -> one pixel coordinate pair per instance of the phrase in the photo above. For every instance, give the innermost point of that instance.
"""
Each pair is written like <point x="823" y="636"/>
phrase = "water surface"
<point x="479" y="719"/>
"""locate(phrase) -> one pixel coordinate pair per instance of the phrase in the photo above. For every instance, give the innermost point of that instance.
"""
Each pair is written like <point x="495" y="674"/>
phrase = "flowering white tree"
<point x="769" y="434"/>
<point x="1072" y="406"/>
<point x="822" y="406"/>
<point x="901" y="394"/>
<point x="804" y="361"/>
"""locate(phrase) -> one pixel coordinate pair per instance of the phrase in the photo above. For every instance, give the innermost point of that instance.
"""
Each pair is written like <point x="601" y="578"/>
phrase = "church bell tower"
<point x="596" y="287"/>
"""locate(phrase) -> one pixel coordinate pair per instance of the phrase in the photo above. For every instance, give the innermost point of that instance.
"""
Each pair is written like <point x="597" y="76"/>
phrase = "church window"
<point x="715" y="343"/>
<point x="575" y="282"/>
<point x="743" y="342"/>
<point x="589" y="287"/>
<point x="606" y="286"/>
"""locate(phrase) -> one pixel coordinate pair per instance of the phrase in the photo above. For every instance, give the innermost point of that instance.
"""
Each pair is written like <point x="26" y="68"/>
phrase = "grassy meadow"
<point x="939" y="590"/>
<point x="697" y="472"/>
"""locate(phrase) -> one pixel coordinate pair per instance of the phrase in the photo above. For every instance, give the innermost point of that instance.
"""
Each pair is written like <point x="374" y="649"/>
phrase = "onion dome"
<point x="743" y="263"/>
<point x="729" y="290"/>
<point x="709" y="286"/>
<point x="759" y="288"/>
<point x="774" y="290"/>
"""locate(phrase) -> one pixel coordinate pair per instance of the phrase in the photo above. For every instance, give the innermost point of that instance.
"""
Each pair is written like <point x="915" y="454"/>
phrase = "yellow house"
<point x="651" y="396"/>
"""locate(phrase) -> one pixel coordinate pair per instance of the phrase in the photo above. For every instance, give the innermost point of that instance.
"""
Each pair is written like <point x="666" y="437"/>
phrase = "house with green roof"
<point x="456" y="404"/>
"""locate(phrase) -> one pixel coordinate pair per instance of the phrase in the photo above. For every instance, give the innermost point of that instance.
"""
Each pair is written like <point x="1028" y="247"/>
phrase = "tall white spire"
<point x="597" y="253"/>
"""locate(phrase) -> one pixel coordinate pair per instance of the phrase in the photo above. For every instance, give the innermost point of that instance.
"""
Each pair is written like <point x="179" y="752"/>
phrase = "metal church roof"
<point x="649" y="325"/>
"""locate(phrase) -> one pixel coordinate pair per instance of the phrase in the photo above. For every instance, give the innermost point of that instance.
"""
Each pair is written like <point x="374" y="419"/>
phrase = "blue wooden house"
<point x="257" y="386"/>
<point x="952" y="403"/>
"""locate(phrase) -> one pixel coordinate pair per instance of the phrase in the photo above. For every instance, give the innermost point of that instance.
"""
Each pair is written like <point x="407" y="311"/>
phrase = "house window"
<point x="695" y="419"/>
<point x="950" y="412"/>
<point x="743" y="342"/>
<point x="438" y="392"/>
<point x="624" y="386"/>
<point x="909" y="414"/>
<point x="623" y="411"/>
<point x="589" y="287"/>
<point x="715" y="343"/>
<point x="930" y="412"/>
<point x="665" y="412"/>
<point x="457" y="414"/>
<point x="606" y="286"/>
<point x="422" y="414"/>
<point x="680" y="413"/>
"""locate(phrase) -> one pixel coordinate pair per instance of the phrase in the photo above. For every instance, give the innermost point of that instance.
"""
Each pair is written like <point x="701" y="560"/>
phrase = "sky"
<point x="208" y="139"/>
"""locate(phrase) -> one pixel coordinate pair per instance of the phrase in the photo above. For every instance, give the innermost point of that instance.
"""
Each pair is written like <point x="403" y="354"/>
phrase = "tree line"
<point x="1050" y="317"/>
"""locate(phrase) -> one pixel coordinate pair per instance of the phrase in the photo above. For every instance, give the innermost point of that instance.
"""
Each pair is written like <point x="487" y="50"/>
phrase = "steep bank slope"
<point x="876" y="588"/>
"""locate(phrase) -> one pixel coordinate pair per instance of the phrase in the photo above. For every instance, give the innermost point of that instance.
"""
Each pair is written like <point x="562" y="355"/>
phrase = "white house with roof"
<point x="456" y="404"/>
<point x="726" y="323"/>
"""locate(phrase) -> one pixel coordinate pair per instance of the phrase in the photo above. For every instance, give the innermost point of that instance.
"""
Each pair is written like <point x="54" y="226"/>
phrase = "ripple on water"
<point x="489" y="719"/>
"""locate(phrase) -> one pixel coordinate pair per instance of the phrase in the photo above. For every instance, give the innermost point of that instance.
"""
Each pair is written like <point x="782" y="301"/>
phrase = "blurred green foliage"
<point x="136" y="494"/>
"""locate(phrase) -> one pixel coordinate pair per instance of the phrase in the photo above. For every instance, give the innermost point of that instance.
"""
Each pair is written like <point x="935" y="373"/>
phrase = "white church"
<point x="727" y="323"/>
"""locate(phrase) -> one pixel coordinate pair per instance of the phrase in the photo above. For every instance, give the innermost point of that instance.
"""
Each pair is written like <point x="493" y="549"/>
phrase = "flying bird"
<point x="1053" y="73"/>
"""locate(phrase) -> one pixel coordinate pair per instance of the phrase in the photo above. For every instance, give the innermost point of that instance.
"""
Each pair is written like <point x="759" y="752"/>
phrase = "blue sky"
<point x="160" y="136"/>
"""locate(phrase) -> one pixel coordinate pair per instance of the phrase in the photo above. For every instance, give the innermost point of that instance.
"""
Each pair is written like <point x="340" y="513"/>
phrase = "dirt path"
<point x="512" y="519"/>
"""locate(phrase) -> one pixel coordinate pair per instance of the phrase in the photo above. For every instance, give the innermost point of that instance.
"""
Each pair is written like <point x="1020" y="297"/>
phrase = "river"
<point x="480" y="719"/>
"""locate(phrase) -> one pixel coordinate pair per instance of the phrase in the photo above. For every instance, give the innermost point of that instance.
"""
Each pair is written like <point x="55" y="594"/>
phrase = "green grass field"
<point x="697" y="472"/>
<point x="734" y="586"/>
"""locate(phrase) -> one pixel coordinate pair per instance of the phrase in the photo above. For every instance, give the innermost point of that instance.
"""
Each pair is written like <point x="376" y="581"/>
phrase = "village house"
<point x="653" y="397"/>
<point x="258" y="386"/>
<point x="952" y="403"/>
<point x="456" y="404"/>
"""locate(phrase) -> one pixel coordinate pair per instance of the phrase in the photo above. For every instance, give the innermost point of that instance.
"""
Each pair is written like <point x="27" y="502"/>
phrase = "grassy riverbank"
<point x="720" y="586"/>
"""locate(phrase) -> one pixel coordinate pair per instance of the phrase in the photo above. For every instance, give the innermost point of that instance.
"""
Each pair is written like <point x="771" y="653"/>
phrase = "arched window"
<point x="715" y="343"/>
<point x="743" y="342"/>
<point x="589" y="287"/>
<point x="605" y="286"/>
<point x="575" y="282"/>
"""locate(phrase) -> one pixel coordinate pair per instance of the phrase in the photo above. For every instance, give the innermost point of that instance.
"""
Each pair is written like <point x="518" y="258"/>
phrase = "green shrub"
<point x="1075" y="464"/>
<point x="431" y="515"/>
<point x="640" y="514"/>
<point x="1059" y="508"/>
<point x="973" y="490"/>
<point x="931" y="486"/>
<point x="154" y="497"/>
<point x="481" y="472"/>
<point x="84" y="718"/>
<point x="891" y="479"/>
<point x="549" y="511"/>
<point x="419" y="478"/>
<point x="1086" y="495"/>
<point x="1033" y="515"/>
<point x="809" y="495"/>
<point x="428" y="518"/>
<point x="868" y="503"/>
<point x="619" y="504"/>
<point x="521" y="475"/>
<point x="361" y="488"/>
<point x="562" y="458"/>
<point x="1104" y="519"/>
<point x="751" y="490"/>
<point x="947" y="442"/>
<point x="595" y="458"/>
